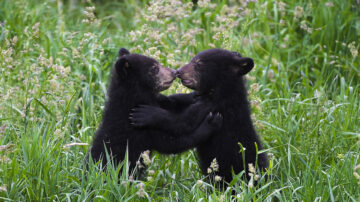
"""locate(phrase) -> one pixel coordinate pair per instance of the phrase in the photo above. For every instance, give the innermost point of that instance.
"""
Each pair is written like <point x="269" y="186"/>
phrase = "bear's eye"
<point x="236" y="53"/>
<point x="197" y="64"/>
<point x="154" y="70"/>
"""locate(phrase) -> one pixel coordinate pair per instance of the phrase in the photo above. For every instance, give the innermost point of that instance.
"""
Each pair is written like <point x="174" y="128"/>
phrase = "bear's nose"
<point x="177" y="73"/>
<point x="173" y="72"/>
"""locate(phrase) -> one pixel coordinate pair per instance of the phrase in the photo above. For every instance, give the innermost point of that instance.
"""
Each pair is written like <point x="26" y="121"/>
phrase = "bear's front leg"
<point x="148" y="116"/>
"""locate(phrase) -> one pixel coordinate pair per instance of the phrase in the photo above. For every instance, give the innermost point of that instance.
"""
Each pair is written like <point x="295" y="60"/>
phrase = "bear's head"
<point x="214" y="69"/>
<point x="143" y="72"/>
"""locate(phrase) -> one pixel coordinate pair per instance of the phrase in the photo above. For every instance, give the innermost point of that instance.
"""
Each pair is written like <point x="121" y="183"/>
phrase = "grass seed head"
<point x="146" y="157"/>
<point x="217" y="178"/>
<point x="214" y="165"/>
<point x="141" y="192"/>
<point x="298" y="12"/>
<point x="3" y="188"/>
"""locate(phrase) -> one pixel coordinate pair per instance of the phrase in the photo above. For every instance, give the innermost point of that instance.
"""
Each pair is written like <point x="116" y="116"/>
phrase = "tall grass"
<point x="55" y="62"/>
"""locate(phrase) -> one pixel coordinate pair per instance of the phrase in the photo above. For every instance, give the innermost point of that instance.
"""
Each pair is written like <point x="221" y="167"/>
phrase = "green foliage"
<point x="55" y="61"/>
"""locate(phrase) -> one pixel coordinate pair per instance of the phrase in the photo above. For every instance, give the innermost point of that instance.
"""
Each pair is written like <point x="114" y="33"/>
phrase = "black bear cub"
<point x="216" y="76"/>
<point x="136" y="80"/>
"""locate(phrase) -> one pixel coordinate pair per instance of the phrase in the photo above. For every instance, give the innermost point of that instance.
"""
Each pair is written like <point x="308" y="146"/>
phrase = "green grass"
<point x="305" y="93"/>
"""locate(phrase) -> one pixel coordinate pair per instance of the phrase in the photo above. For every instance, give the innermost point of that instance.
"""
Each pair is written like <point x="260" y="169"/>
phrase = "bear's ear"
<point x="123" y="52"/>
<point x="122" y="67"/>
<point x="243" y="65"/>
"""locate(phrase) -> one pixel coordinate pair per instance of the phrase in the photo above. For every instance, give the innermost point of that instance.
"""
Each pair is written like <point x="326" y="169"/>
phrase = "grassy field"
<point x="55" y="61"/>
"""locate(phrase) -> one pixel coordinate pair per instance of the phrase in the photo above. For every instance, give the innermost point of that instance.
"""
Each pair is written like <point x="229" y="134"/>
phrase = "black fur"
<point x="135" y="80"/>
<point x="216" y="75"/>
